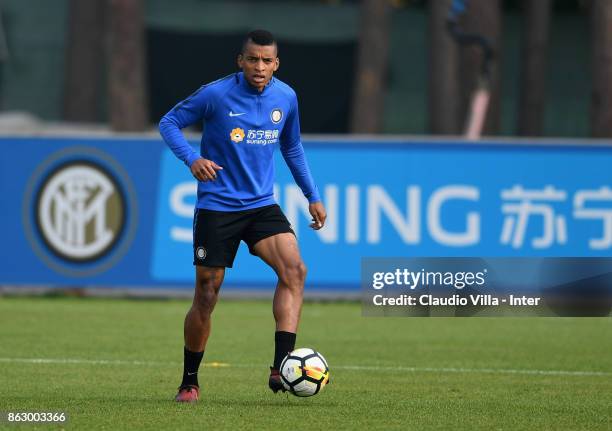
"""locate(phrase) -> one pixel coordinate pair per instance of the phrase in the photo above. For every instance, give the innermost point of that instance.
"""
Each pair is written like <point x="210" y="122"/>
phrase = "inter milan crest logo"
<point x="276" y="115"/>
<point x="201" y="253"/>
<point x="80" y="211"/>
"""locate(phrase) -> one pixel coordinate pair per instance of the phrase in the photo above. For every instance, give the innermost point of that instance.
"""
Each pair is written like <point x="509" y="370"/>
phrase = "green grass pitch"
<point x="115" y="364"/>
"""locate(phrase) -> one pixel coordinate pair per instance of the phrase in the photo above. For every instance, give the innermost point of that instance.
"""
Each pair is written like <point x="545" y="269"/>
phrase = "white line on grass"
<point x="381" y="368"/>
<point x="477" y="370"/>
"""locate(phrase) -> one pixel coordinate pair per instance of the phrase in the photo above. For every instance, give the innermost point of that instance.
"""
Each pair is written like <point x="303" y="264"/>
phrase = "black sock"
<point x="191" y="363"/>
<point x="284" y="342"/>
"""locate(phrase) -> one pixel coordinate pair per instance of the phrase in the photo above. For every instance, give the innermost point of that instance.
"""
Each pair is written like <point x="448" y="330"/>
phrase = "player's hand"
<point x="317" y="211"/>
<point x="205" y="170"/>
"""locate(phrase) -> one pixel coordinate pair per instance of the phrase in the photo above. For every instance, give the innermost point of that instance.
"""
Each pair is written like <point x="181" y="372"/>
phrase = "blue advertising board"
<point x="117" y="212"/>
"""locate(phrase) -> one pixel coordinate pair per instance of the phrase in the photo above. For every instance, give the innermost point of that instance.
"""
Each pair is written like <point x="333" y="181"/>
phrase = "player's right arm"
<point x="196" y="107"/>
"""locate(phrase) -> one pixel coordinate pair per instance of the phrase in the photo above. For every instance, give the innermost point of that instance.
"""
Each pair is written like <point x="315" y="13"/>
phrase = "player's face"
<point x="258" y="63"/>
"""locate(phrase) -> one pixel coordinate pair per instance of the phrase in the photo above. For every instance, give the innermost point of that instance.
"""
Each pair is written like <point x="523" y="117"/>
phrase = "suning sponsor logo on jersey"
<point x="237" y="135"/>
<point x="262" y="137"/>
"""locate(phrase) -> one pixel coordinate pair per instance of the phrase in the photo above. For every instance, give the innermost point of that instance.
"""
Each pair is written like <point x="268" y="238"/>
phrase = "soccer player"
<point x="246" y="115"/>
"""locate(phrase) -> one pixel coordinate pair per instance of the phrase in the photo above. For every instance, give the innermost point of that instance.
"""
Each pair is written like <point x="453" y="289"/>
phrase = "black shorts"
<point x="217" y="234"/>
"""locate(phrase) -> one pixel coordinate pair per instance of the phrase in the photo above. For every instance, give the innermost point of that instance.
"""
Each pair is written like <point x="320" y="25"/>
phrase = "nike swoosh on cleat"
<point x="191" y="374"/>
<point x="231" y="114"/>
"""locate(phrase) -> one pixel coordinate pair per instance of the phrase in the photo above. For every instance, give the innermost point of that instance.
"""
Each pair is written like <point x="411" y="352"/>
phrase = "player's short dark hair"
<point x="259" y="37"/>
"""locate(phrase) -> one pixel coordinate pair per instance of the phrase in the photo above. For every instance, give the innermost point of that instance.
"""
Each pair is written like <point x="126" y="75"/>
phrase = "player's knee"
<point x="293" y="274"/>
<point x="207" y="291"/>
<point x="205" y="300"/>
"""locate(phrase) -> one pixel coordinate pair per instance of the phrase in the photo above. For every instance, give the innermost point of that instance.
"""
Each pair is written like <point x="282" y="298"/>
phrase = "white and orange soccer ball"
<point x="304" y="372"/>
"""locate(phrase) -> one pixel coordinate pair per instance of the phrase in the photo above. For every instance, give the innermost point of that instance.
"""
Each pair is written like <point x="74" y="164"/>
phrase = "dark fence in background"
<point x="317" y="58"/>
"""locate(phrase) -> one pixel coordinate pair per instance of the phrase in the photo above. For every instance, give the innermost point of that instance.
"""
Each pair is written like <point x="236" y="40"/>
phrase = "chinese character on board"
<point x="529" y="204"/>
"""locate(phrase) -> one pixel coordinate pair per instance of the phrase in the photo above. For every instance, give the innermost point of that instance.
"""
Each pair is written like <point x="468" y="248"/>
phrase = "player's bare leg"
<point x="281" y="252"/>
<point x="197" y="328"/>
<point x="197" y="321"/>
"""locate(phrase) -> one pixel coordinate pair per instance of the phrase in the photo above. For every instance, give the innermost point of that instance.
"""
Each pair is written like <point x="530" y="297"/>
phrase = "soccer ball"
<point x="304" y="372"/>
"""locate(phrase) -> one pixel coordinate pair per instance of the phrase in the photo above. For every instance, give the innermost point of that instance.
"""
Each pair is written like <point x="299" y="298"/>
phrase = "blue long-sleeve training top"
<point x="242" y="128"/>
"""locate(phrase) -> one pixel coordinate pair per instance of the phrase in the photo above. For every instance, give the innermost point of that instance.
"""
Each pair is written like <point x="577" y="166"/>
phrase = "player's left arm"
<point x="293" y="153"/>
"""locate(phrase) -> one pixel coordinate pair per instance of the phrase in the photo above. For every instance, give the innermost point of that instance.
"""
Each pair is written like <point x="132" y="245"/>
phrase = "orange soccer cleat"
<point x="188" y="394"/>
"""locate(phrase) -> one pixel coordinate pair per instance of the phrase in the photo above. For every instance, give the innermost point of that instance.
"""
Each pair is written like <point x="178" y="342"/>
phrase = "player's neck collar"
<point x="247" y="87"/>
